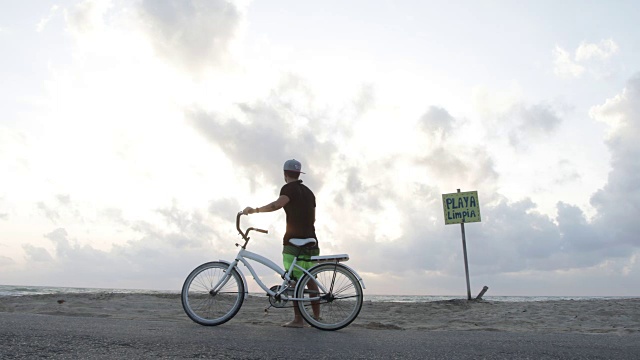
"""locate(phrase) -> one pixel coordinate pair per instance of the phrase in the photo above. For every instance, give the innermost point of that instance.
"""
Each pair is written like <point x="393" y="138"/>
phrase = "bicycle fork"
<point x="224" y="280"/>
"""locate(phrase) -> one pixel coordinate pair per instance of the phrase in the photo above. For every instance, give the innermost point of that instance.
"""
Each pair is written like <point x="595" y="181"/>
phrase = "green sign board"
<point x="461" y="207"/>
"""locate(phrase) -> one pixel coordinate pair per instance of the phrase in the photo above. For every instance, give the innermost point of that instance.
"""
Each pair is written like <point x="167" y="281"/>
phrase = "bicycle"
<point x="213" y="292"/>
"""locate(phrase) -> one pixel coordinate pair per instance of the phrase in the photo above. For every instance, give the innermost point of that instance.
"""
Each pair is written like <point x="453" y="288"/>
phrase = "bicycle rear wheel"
<point x="205" y="306"/>
<point x="339" y="305"/>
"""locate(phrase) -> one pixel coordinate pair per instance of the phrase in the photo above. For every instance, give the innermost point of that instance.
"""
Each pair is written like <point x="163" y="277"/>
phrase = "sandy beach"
<point x="620" y="316"/>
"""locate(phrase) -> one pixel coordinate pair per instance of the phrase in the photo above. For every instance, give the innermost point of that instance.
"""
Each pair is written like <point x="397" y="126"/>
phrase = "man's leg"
<point x="297" y="321"/>
<point x="315" y="305"/>
<point x="297" y="318"/>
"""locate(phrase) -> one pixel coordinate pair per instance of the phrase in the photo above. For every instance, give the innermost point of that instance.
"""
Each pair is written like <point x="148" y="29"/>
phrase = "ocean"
<point x="18" y="290"/>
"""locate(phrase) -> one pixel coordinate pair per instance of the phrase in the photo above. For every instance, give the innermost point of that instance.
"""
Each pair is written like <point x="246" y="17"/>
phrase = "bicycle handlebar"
<point x="246" y="233"/>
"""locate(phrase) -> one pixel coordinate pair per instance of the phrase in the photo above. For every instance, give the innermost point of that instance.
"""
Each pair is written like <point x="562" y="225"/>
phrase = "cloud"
<point x="505" y="115"/>
<point x="4" y="209"/>
<point x="491" y="104"/>
<point x="388" y="223"/>
<point x="6" y="261"/>
<point x="441" y="162"/>
<point x="62" y="205"/>
<point x="354" y="185"/>
<point x="192" y="34"/>
<point x="223" y="207"/>
<point x="265" y="133"/>
<point x="602" y="51"/>
<point x="36" y="254"/>
<point x="87" y="16"/>
<point x="158" y="258"/>
<point x="513" y="238"/>
<point x="540" y="118"/>
<point x="190" y="225"/>
<point x="577" y="233"/>
<point x="365" y="99"/>
<point x="564" y="66"/>
<point x="532" y="123"/>
<point x="567" y="173"/>
<point x="372" y="207"/>
<point x="589" y="57"/>
<point x="64" y="199"/>
<point x="448" y="155"/>
<point x="48" y="212"/>
<point x="437" y="119"/>
<point x="45" y="20"/>
<point x="618" y="201"/>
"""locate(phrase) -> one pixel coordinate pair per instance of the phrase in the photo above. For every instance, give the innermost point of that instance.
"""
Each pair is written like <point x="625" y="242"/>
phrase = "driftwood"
<point x="484" y="290"/>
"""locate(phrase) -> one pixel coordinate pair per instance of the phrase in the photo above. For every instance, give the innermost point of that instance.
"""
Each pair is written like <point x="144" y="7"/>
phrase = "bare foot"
<point x="294" y="324"/>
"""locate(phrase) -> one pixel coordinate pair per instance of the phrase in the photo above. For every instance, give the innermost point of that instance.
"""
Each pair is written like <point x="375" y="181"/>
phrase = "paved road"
<point x="28" y="336"/>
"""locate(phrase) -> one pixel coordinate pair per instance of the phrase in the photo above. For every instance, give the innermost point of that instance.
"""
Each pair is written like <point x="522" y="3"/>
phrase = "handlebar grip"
<point x="262" y="231"/>
<point x="238" y="221"/>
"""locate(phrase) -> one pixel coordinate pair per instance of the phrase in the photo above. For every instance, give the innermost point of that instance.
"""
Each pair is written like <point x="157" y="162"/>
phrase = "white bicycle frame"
<point x="244" y="254"/>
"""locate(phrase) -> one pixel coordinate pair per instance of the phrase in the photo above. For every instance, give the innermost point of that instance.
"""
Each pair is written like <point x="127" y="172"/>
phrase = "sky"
<point x="132" y="132"/>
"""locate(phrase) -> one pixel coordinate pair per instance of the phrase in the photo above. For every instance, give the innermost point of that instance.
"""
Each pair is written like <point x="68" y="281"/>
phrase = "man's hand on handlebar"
<point x="248" y="210"/>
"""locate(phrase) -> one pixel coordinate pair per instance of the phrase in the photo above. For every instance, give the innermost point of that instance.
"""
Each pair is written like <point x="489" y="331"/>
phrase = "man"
<point x="299" y="204"/>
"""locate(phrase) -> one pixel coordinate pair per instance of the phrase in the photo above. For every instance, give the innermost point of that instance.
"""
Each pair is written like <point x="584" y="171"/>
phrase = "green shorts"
<point x="304" y="259"/>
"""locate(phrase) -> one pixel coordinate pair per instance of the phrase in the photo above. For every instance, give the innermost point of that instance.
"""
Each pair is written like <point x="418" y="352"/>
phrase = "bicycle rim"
<point x="208" y="308"/>
<point x="340" y="304"/>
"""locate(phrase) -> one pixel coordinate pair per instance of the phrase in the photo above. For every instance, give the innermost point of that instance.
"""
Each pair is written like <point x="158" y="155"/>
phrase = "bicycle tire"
<point x="206" y="308"/>
<point x="340" y="305"/>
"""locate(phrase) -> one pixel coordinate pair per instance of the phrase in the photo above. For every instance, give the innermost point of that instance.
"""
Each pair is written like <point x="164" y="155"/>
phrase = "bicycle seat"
<point x="301" y="242"/>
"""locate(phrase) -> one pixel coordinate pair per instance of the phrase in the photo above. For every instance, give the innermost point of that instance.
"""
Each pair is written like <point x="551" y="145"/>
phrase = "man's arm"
<point x="276" y="205"/>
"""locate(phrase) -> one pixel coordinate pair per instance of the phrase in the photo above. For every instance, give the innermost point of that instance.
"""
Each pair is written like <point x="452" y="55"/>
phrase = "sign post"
<point x="459" y="208"/>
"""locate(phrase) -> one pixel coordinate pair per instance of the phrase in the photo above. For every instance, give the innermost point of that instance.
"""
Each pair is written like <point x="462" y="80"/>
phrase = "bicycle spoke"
<point x="208" y="308"/>
<point x="339" y="307"/>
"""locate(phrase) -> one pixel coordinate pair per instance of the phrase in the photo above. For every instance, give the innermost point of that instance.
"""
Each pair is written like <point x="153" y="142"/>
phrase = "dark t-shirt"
<point x="301" y="211"/>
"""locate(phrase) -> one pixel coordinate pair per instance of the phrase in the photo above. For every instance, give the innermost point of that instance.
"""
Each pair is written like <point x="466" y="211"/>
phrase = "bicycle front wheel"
<point x="340" y="302"/>
<point x="206" y="306"/>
